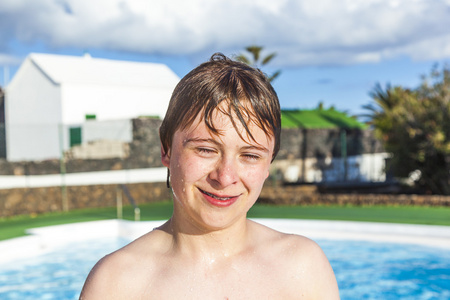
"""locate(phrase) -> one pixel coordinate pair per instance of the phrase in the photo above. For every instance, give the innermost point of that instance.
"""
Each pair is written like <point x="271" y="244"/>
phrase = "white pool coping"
<point x="45" y="239"/>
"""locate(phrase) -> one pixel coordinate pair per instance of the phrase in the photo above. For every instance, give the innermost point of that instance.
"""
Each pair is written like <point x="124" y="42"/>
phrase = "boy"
<point x="219" y="136"/>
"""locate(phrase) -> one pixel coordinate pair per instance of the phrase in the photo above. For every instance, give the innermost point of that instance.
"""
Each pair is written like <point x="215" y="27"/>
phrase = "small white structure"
<point x="51" y="96"/>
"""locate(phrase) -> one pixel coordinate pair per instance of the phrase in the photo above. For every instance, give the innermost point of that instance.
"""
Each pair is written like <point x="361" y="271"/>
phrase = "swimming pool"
<point x="58" y="274"/>
<point x="364" y="270"/>
<point x="368" y="270"/>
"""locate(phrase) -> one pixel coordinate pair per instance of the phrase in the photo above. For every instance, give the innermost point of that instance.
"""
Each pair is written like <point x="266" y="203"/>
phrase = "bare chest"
<point x="252" y="281"/>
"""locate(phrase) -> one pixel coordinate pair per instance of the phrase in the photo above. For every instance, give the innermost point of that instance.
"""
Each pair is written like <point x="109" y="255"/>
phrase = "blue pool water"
<point x="364" y="270"/>
<point x="367" y="270"/>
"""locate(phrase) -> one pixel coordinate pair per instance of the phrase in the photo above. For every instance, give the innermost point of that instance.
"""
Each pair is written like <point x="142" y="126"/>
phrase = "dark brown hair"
<point x="247" y="92"/>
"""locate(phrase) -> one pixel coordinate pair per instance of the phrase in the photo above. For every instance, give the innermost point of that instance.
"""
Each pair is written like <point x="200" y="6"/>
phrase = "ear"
<point x="165" y="157"/>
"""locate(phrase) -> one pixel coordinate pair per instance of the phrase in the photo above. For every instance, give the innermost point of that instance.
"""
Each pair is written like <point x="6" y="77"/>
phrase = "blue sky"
<point x="329" y="51"/>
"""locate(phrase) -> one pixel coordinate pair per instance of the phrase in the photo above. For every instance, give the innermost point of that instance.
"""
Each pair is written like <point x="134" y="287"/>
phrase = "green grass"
<point x="318" y="118"/>
<point x="16" y="226"/>
<point x="388" y="214"/>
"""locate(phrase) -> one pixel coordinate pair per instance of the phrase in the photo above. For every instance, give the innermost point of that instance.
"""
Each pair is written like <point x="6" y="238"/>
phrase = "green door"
<point x="75" y="136"/>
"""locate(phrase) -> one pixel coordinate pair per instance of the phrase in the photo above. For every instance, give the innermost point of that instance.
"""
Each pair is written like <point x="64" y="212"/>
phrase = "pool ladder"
<point x="119" y="203"/>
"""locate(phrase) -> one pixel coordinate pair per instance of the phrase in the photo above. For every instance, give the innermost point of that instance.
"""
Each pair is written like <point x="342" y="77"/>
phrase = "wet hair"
<point x="246" y="91"/>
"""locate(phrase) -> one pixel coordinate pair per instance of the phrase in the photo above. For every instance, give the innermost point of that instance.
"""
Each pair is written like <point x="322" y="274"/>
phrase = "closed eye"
<point x="205" y="151"/>
<point x="252" y="157"/>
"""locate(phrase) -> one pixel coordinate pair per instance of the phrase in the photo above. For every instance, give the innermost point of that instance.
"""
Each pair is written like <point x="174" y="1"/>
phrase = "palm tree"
<point x="254" y="61"/>
<point x="413" y="125"/>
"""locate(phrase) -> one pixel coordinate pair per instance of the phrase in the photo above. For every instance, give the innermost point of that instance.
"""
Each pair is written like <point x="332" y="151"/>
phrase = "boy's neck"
<point x="225" y="242"/>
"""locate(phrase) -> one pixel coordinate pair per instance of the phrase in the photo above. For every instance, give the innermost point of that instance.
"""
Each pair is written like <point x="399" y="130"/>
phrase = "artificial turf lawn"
<point x="16" y="226"/>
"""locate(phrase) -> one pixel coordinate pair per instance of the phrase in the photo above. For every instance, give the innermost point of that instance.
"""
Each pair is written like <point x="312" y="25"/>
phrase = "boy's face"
<point x="217" y="179"/>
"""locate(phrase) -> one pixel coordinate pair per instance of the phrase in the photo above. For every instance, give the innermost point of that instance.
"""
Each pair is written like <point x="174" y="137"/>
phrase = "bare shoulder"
<point x="292" y="243"/>
<point x="121" y="274"/>
<point x="308" y="258"/>
<point x="104" y="277"/>
<point x="309" y="270"/>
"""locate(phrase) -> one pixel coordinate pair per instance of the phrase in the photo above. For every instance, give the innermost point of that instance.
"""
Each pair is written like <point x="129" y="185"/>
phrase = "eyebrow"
<point x="200" y="140"/>
<point x="259" y="148"/>
<point x="213" y="141"/>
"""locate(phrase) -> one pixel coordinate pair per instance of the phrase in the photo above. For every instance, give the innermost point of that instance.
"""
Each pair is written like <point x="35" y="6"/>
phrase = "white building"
<point x="52" y="97"/>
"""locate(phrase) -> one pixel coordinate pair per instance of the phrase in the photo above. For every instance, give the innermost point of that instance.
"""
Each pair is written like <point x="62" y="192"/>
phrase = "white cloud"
<point x="303" y="32"/>
<point x="9" y="60"/>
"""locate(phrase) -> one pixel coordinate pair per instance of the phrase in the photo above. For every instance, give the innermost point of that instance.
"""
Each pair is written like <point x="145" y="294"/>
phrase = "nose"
<point x="225" y="172"/>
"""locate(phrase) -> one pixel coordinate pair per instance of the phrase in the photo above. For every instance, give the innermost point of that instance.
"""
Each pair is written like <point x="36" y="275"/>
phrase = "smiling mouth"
<point x="216" y="197"/>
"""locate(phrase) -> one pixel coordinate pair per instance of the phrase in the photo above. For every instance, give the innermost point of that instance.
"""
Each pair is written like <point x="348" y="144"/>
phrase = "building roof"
<point x="318" y="119"/>
<point x="88" y="70"/>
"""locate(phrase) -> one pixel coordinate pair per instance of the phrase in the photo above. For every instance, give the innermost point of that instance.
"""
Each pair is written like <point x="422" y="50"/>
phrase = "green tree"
<point x="256" y="60"/>
<point x="415" y="127"/>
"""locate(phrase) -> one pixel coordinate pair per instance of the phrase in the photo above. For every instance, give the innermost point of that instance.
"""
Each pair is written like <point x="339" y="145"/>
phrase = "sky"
<point x="328" y="51"/>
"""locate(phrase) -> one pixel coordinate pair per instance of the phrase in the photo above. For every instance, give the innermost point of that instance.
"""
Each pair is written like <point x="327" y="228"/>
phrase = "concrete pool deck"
<point x="45" y="239"/>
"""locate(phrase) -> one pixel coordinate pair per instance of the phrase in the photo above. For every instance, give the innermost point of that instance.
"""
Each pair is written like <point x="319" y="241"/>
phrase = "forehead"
<point x="225" y="124"/>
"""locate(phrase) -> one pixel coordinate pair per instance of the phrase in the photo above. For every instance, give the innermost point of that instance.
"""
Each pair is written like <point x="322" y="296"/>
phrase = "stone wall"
<point x="321" y="143"/>
<point x="330" y="155"/>
<point x="308" y="195"/>
<point x="25" y="201"/>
